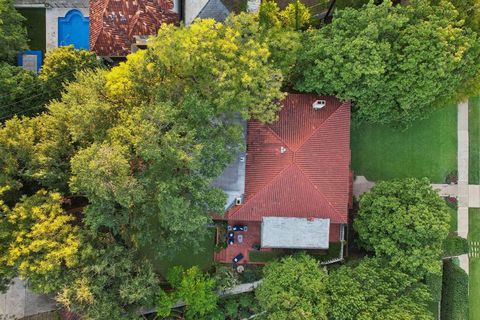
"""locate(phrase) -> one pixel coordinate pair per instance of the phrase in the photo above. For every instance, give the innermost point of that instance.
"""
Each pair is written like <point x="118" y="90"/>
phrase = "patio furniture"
<point x="240" y="238"/>
<point x="239" y="228"/>
<point x="237" y="258"/>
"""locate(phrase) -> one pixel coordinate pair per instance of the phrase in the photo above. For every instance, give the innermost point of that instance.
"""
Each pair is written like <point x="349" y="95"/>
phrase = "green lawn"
<point x="427" y="149"/>
<point x="186" y="258"/>
<point x="474" y="282"/>
<point x="453" y="219"/>
<point x="474" y="140"/>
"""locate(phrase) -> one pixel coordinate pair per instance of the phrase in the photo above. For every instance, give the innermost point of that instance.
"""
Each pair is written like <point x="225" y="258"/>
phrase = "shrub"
<point x="454" y="293"/>
<point x="455" y="246"/>
<point x="225" y="277"/>
<point x="265" y="256"/>
<point x="452" y="177"/>
<point x="434" y="284"/>
<point x="239" y="307"/>
<point x="451" y="202"/>
<point x="252" y="273"/>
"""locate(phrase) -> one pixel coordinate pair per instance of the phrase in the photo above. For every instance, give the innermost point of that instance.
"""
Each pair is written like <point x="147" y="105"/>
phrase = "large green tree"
<point x="394" y="62"/>
<point x="294" y="288"/>
<point x="21" y="92"/>
<point x="13" y="35"/>
<point x="38" y="239"/>
<point x="136" y="148"/>
<point x="373" y="290"/>
<point x="405" y="221"/>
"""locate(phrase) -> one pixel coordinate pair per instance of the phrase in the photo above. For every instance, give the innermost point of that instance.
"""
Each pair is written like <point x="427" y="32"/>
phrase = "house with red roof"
<point x="297" y="180"/>
<point x="118" y="26"/>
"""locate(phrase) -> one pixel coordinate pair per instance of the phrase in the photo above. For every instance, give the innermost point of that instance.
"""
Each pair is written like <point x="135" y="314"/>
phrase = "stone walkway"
<point x="463" y="187"/>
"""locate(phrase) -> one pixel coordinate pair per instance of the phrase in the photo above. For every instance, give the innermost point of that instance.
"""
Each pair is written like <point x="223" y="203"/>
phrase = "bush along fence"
<point x="454" y="291"/>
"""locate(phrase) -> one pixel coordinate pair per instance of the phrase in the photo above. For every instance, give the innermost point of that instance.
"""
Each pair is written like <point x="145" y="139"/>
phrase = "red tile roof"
<point x="311" y="178"/>
<point x="114" y="23"/>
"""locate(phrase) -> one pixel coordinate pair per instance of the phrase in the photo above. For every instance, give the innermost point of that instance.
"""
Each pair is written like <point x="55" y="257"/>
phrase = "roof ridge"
<point x="264" y="187"/>
<point x="317" y="129"/>
<point x="321" y="193"/>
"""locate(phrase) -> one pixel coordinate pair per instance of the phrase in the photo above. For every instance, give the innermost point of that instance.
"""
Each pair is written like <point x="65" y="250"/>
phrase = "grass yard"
<point x="427" y="149"/>
<point x="186" y="258"/>
<point x="453" y="220"/>
<point x="474" y="140"/>
<point x="474" y="282"/>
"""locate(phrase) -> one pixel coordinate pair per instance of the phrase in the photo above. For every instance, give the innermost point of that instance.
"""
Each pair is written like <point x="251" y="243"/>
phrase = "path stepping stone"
<point x="474" y="251"/>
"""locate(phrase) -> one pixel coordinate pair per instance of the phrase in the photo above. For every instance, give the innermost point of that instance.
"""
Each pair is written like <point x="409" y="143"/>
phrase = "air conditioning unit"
<point x="319" y="104"/>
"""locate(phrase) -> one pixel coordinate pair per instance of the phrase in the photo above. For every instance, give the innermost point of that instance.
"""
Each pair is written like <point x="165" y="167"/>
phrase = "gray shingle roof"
<point x="214" y="9"/>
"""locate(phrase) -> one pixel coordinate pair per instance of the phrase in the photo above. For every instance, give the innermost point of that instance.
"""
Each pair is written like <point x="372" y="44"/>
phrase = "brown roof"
<point x="114" y="23"/>
<point x="298" y="166"/>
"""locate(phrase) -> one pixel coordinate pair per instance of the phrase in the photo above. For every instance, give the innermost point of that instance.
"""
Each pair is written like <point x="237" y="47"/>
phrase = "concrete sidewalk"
<point x="463" y="187"/>
<point x="19" y="302"/>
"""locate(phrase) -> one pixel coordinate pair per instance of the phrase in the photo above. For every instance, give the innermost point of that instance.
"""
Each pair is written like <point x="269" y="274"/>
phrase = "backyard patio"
<point x="244" y="242"/>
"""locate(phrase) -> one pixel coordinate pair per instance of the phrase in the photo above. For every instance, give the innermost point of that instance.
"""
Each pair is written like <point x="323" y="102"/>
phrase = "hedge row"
<point x="455" y="246"/>
<point x="267" y="256"/>
<point x="454" y="293"/>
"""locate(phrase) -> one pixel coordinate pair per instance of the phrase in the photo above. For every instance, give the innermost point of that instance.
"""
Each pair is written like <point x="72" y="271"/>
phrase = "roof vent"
<point x="283" y="149"/>
<point x="238" y="201"/>
<point x="319" y="104"/>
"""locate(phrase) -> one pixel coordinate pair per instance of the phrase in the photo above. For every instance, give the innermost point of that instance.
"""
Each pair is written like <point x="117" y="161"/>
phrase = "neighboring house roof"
<point x="295" y="233"/>
<point x="214" y="9"/>
<point x="299" y="165"/>
<point x="114" y="23"/>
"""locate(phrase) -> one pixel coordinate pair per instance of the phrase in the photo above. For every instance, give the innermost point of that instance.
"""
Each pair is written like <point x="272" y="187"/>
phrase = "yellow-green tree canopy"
<point x="60" y="66"/>
<point x="137" y="148"/>
<point x="42" y="239"/>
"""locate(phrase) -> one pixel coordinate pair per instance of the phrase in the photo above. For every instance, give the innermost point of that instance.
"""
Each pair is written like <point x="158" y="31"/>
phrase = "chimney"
<point x="319" y="104"/>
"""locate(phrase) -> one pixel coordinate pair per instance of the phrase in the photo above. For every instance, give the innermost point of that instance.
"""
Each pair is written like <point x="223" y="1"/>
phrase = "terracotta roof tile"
<point x="114" y="23"/>
<point x="310" y="178"/>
